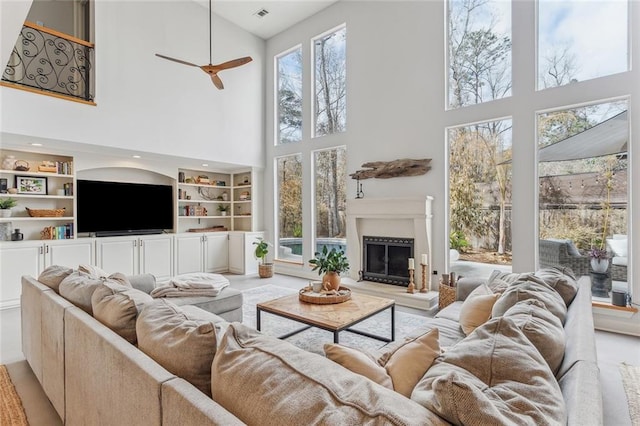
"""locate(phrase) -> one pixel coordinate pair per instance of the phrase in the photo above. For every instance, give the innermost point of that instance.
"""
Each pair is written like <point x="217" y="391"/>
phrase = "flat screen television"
<point x="121" y="208"/>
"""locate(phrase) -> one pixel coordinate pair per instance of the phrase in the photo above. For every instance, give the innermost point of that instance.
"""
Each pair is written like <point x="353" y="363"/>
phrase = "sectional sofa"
<point x="94" y="375"/>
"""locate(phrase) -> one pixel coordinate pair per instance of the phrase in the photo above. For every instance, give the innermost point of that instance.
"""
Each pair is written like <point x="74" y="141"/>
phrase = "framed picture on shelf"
<point x="31" y="185"/>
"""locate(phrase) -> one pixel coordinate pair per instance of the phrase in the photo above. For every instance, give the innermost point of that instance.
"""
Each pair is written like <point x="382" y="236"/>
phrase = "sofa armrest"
<point x="466" y="285"/>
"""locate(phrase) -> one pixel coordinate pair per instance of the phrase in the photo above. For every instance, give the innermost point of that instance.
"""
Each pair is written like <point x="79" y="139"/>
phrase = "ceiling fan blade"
<point x="233" y="63"/>
<point x="177" y="60"/>
<point x="216" y="81"/>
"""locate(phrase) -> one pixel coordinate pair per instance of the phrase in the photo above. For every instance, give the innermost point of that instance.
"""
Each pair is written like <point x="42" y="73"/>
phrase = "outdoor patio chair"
<point x="559" y="253"/>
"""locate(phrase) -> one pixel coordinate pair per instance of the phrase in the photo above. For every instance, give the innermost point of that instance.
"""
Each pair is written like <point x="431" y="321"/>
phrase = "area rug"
<point x="11" y="410"/>
<point x="314" y="339"/>
<point x="631" y="383"/>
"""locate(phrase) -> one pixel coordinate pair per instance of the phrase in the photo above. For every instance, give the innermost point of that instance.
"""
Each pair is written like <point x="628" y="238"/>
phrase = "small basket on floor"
<point x="447" y="296"/>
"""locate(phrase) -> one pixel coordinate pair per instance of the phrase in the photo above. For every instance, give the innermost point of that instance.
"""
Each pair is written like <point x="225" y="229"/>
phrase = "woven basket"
<point x="321" y="299"/>
<point x="447" y="296"/>
<point x="45" y="212"/>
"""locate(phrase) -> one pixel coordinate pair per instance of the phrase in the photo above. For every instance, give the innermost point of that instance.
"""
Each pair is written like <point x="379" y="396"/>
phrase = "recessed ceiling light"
<point x="136" y="156"/>
<point x="35" y="144"/>
<point x="205" y="165"/>
<point x="261" y="13"/>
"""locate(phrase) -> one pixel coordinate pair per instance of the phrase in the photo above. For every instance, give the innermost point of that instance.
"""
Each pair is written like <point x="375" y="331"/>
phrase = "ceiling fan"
<point x="211" y="69"/>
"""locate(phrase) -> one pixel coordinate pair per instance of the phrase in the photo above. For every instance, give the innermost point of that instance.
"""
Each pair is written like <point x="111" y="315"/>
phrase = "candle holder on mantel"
<point x="412" y="287"/>
<point x="424" y="278"/>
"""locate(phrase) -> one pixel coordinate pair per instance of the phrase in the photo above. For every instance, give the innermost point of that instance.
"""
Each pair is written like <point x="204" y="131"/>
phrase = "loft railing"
<point x="52" y="62"/>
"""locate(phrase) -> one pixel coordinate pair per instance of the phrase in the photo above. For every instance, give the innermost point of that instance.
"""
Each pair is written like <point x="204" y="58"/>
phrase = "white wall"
<point x="149" y="104"/>
<point x="396" y="109"/>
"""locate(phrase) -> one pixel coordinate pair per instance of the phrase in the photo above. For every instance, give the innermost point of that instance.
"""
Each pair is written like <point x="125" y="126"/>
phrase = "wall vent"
<point x="261" y="13"/>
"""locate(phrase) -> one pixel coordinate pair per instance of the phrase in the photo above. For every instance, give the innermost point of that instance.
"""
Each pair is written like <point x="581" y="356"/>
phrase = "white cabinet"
<point x="241" y="250"/>
<point x="150" y="254"/>
<point x="202" y="252"/>
<point x="32" y="257"/>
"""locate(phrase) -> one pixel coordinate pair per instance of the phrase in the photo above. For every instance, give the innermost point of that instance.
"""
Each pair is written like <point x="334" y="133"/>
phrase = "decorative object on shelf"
<point x="245" y="180"/>
<point x="9" y="162"/>
<point x="225" y="196"/>
<point x="324" y="297"/>
<point x="48" y="167"/>
<point x="359" y="192"/>
<point x="21" y="166"/>
<point x="31" y="185"/>
<point x="391" y="169"/>
<point x="424" y="264"/>
<point x="12" y="190"/>
<point x="245" y="196"/>
<point x="5" y="206"/>
<point x="5" y="231"/>
<point x="188" y="180"/>
<point x="181" y="177"/>
<point x="223" y="209"/>
<point x="209" y="194"/>
<point x="45" y="212"/>
<point x="203" y="179"/>
<point x="17" y="235"/>
<point x="221" y="183"/>
<point x="330" y="263"/>
<point x="265" y="270"/>
<point x="3" y="185"/>
<point x="411" y="288"/>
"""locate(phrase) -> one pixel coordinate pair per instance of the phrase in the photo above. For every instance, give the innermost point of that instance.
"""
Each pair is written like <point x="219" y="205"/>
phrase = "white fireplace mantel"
<point x="390" y="217"/>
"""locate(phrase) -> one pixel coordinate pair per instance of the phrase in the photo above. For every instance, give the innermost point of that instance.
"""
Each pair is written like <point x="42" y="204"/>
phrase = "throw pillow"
<point x="498" y="281"/>
<point x="118" y="307"/>
<point x="542" y="328"/>
<point x="99" y="274"/>
<point x="531" y="289"/>
<point x="267" y="381"/>
<point x="53" y="275"/>
<point x="566" y="285"/>
<point x="78" y="288"/>
<point x="493" y="377"/>
<point x="476" y="308"/>
<point x="399" y="368"/>
<point x="183" y="339"/>
<point x="618" y="246"/>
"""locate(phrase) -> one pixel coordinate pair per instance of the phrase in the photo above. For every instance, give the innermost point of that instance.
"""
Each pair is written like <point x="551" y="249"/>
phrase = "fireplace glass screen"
<point x="386" y="259"/>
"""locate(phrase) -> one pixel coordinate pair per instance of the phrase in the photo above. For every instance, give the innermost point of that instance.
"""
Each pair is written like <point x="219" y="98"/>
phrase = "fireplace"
<point x="385" y="259"/>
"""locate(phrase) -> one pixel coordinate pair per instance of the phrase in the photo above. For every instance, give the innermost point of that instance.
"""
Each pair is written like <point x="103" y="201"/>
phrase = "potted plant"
<point x="599" y="259"/>
<point x="265" y="270"/>
<point x="330" y="263"/>
<point x="5" y="206"/>
<point x="223" y="209"/>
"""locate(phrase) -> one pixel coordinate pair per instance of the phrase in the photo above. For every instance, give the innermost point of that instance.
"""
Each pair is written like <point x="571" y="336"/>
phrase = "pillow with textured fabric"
<point x="498" y="281"/>
<point x="99" y="274"/>
<point x="183" y="339"/>
<point x="267" y="381"/>
<point x="493" y="377"/>
<point x="542" y="328"/>
<point x="53" y="275"/>
<point x="476" y="308"/>
<point x="118" y="307"/>
<point x="531" y="289"/>
<point x="78" y="288"/>
<point x="399" y="368"/>
<point x="564" y="284"/>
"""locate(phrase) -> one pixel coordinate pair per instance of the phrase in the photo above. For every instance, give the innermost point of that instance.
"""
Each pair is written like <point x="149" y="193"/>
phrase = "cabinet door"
<point x="236" y="252"/>
<point x="16" y="260"/>
<point x="70" y="253"/>
<point x="216" y="252"/>
<point x="189" y="253"/>
<point x="156" y="256"/>
<point x="117" y="255"/>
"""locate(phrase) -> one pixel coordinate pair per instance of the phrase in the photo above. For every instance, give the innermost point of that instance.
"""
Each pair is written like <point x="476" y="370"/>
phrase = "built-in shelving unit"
<point x="48" y="184"/>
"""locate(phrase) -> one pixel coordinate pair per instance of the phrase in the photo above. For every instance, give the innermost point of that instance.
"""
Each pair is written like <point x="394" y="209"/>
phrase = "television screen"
<point x="119" y="208"/>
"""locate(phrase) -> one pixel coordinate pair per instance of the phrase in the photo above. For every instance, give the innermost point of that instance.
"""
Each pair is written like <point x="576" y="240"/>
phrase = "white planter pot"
<point x="5" y="212"/>
<point x="600" y="265"/>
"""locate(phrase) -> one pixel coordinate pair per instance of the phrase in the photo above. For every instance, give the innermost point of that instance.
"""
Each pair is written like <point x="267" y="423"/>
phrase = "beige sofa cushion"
<point x="532" y="288"/>
<point x="53" y="275"/>
<point x="399" y="367"/>
<point x="564" y="284"/>
<point x="182" y="339"/>
<point x="493" y="377"/>
<point x="476" y="308"/>
<point x="118" y="306"/>
<point x="542" y="328"/>
<point x="78" y="288"/>
<point x="266" y="381"/>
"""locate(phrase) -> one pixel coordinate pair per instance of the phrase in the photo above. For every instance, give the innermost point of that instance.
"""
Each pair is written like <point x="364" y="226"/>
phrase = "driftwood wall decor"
<point x="391" y="169"/>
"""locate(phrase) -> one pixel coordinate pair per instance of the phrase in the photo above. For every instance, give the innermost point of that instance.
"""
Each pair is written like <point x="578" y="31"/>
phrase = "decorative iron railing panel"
<point x="51" y="61"/>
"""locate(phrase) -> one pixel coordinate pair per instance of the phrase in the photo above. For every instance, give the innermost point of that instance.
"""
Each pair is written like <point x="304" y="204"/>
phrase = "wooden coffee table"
<point x="334" y="317"/>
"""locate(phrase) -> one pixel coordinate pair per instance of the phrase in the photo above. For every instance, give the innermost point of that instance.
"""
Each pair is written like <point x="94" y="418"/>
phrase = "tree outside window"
<point x="330" y="96"/>
<point x="330" y="198"/>
<point x="289" y="96"/>
<point x="289" y="207"/>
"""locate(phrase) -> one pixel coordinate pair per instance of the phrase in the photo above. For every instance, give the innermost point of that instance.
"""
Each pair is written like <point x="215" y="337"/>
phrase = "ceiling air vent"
<point x="261" y="13"/>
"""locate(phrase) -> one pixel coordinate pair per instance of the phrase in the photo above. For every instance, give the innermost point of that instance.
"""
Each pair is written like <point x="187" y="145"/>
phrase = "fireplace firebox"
<point x="385" y="259"/>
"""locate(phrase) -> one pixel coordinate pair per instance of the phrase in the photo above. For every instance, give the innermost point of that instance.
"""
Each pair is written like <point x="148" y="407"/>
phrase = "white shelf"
<point x="29" y="218"/>
<point x="204" y="201"/>
<point x="32" y="173"/>
<point x="41" y="196"/>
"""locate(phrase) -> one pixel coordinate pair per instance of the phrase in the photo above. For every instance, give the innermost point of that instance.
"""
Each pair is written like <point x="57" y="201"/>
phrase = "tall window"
<point x="583" y="192"/>
<point x="580" y="40"/>
<point x="479" y="49"/>
<point x="330" y="90"/>
<point x="289" y="96"/>
<point x="289" y="205"/>
<point x="480" y="194"/>
<point x="330" y="198"/>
